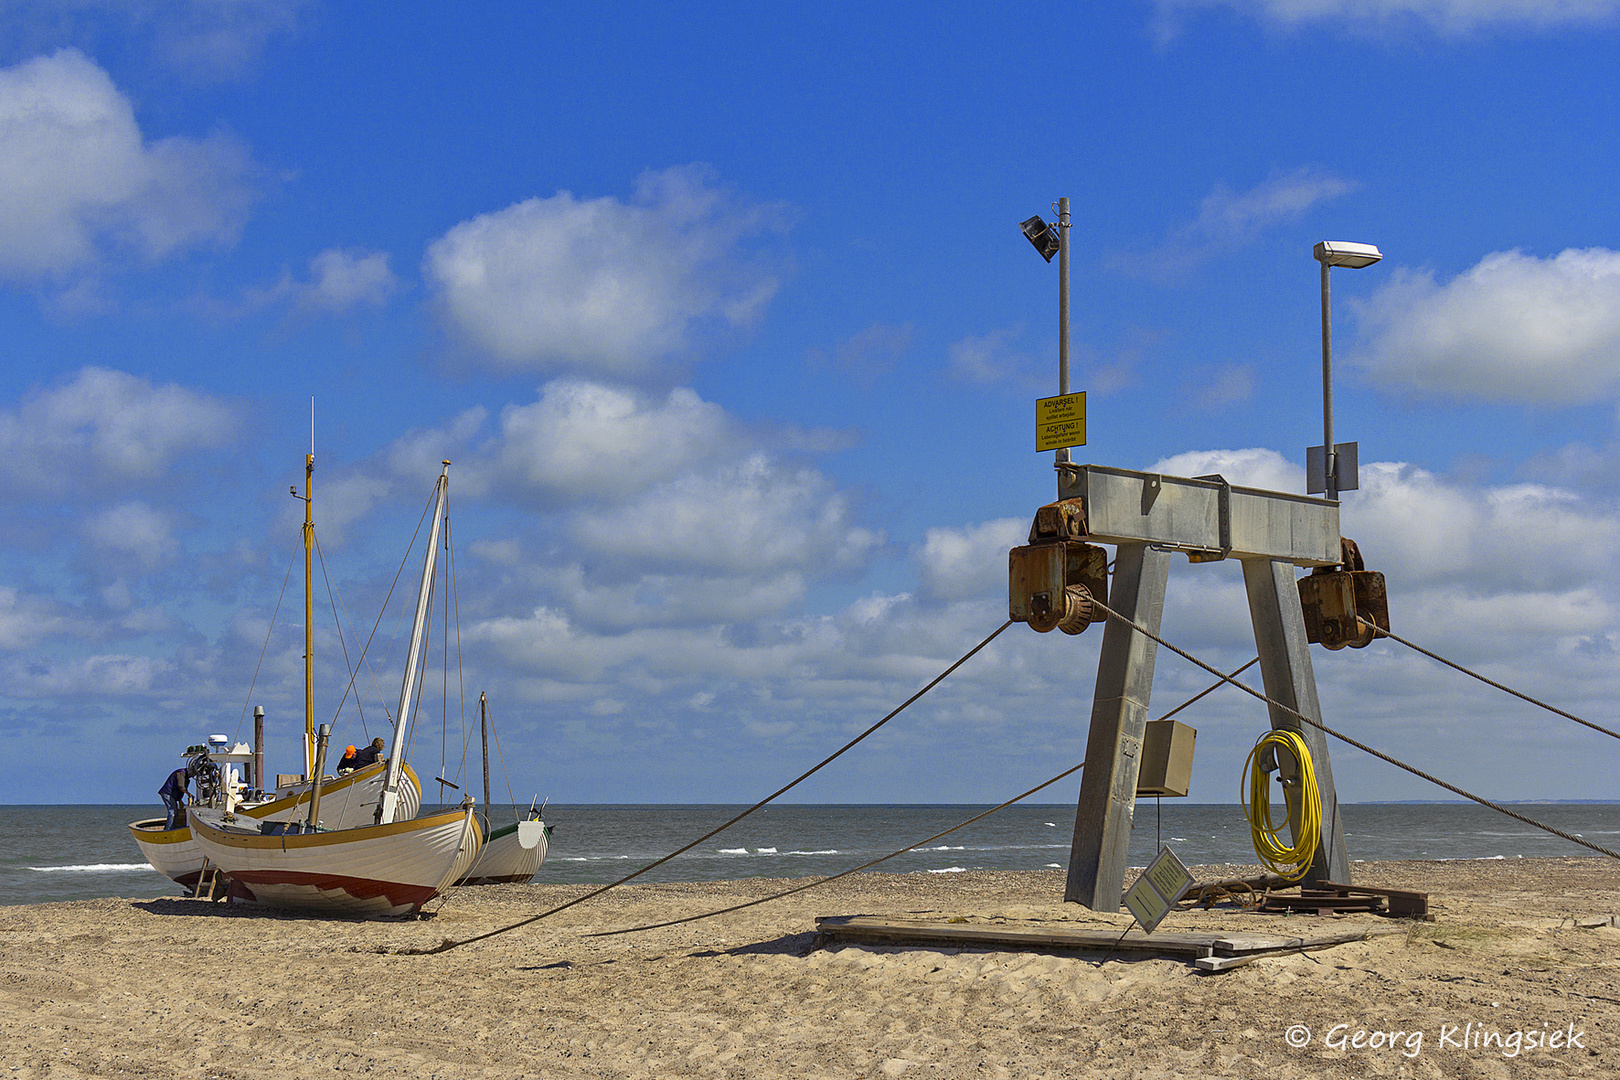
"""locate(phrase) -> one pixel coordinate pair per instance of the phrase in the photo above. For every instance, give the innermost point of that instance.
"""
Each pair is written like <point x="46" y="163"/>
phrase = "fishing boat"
<point x="512" y="853"/>
<point x="390" y="866"/>
<point x="351" y="800"/>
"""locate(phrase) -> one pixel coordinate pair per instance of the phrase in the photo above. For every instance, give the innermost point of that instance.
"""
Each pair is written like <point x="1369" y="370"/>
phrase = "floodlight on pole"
<point x="1333" y="478"/>
<point x="1052" y="240"/>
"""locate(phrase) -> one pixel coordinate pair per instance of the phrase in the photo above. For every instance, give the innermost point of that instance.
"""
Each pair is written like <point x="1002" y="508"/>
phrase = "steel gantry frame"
<point x="1149" y="517"/>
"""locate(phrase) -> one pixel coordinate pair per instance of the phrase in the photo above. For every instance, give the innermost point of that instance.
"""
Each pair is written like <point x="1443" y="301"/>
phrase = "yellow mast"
<point x="309" y="618"/>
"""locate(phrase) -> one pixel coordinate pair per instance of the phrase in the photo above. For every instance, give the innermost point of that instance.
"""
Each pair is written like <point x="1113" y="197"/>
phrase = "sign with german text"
<point x="1158" y="889"/>
<point x="1060" y="422"/>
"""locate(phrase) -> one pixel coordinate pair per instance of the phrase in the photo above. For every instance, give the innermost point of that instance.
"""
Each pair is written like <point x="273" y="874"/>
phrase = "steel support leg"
<point x="1102" y="821"/>
<point x="1285" y="666"/>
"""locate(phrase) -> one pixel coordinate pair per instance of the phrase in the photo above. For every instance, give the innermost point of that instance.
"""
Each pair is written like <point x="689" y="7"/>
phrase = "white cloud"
<point x="106" y="675"/>
<point x="200" y="39"/>
<point x="1439" y="532"/>
<point x="132" y="530"/>
<point x="599" y="283"/>
<point x="1514" y="327"/>
<point x="1228" y="219"/>
<point x="1444" y="16"/>
<point x="76" y="176"/>
<point x="956" y="563"/>
<point x="105" y="427"/>
<point x="585" y="440"/>
<point x="27" y="620"/>
<point x="752" y="516"/>
<point x="990" y="358"/>
<point x="1255" y="467"/>
<point x="340" y="279"/>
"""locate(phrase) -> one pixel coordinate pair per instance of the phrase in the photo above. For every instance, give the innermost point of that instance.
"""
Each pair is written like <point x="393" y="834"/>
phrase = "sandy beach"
<point x="176" y="988"/>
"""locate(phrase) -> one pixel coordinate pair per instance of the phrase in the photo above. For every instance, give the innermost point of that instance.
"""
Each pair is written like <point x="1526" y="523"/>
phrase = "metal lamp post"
<point x="1052" y="240"/>
<point x="1331" y="253"/>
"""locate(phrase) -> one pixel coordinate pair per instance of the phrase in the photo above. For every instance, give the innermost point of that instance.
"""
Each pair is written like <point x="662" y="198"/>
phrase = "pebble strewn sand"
<point x="176" y="988"/>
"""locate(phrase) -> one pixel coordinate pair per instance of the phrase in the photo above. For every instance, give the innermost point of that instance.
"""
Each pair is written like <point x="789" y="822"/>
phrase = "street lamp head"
<point x="1042" y="235"/>
<point x="1344" y="253"/>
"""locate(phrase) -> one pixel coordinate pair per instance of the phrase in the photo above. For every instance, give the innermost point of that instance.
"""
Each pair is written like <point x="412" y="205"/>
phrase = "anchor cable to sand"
<point x="448" y="944"/>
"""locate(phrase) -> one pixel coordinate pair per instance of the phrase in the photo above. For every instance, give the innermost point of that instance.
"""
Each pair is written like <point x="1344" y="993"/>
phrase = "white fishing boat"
<point x="512" y="853"/>
<point x="351" y="800"/>
<point x="372" y="871"/>
<point x="391" y="866"/>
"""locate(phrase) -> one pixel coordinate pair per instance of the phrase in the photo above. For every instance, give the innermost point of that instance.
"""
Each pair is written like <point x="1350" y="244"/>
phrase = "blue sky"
<point x="724" y="317"/>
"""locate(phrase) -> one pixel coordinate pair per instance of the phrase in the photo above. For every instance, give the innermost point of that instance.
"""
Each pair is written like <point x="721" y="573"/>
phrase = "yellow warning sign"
<point x="1060" y="422"/>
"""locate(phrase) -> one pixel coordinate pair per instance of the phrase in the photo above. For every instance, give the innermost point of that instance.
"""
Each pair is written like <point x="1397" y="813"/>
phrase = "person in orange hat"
<point x="349" y="762"/>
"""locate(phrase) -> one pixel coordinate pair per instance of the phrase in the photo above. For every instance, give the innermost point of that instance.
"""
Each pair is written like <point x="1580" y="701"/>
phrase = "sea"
<point x="52" y="853"/>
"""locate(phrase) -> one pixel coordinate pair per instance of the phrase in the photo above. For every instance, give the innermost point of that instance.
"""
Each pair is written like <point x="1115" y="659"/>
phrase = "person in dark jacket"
<point x="369" y="755"/>
<point x="347" y="763"/>
<point x="173" y="793"/>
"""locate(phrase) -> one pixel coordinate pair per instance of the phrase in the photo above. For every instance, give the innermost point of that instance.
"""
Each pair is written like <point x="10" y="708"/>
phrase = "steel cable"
<point x="1363" y="747"/>
<point x="1381" y="632"/>
<point x="447" y="944"/>
<point x="910" y="847"/>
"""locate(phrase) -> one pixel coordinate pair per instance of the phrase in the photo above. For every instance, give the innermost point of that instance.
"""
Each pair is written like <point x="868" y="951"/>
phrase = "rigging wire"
<point x="1363" y="747"/>
<point x="347" y="690"/>
<point x="447" y="944"/>
<point x="240" y="720"/>
<point x="912" y="847"/>
<point x="498" y="753"/>
<point x="331" y="599"/>
<point x="864" y="866"/>
<point x="1381" y="632"/>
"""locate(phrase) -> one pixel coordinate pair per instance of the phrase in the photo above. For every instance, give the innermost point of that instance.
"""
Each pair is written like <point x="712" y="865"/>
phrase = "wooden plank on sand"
<point x="877" y="930"/>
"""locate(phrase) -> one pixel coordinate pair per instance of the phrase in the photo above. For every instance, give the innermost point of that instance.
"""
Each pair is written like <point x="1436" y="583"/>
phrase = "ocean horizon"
<point x="53" y="852"/>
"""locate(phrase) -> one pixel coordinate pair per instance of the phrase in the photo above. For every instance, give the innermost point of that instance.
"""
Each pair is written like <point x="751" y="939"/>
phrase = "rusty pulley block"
<point x="1344" y="604"/>
<point x="1052" y="581"/>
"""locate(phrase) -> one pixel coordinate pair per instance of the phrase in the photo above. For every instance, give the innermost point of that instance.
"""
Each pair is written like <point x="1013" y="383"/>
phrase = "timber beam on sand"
<point x="1221" y="949"/>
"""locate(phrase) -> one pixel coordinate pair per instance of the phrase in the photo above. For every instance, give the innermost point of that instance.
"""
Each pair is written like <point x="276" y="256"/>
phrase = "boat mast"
<point x="483" y="729"/>
<point x="309" y="617"/>
<point x="407" y="691"/>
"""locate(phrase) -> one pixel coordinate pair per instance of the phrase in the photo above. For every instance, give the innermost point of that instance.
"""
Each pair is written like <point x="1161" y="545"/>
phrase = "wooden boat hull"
<point x="504" y="860"/>
<point x="373" y="871"/>
<point x="172" y="852"/>
<point x="347" y="802"/>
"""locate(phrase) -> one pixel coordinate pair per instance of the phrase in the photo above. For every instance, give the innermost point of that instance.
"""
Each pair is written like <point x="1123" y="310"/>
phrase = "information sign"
<point x="1060" y="422"/>
<point x="1158" y="889"/>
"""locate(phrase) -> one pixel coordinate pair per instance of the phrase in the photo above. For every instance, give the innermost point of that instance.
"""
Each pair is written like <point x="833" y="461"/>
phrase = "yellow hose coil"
<point x="1290" y="861"/>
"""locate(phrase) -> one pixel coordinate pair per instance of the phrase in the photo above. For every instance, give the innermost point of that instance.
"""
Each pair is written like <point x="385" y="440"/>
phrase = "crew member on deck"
<point x="369" y="755"/>
<point x="347" y="764"/>
<point x="174" y="795"/>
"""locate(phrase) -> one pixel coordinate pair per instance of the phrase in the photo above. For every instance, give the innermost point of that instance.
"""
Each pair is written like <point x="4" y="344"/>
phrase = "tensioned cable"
<point x="240" y="720"/>
<point x="347" y="690"/>
<point x="1210" y="688"/>
<point x="1491" y="682"/>
<point x="446" y="945"/>
<point x="500" y="754"/>
<point x="331" y="599"/>
<point x="912" y="847"/>
<point x="846" y="873"/>
<point x="1363" y="747"/>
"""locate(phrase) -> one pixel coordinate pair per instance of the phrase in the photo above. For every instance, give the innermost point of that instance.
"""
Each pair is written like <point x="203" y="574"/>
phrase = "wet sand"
<point x="176" y="988"/>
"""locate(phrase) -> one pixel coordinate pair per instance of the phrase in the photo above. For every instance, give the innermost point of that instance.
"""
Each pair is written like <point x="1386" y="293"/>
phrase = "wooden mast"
<point x="483" y="729"/>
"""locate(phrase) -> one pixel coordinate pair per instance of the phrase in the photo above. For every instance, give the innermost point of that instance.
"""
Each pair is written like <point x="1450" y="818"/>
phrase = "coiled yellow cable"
<point x="1292" y="860"/>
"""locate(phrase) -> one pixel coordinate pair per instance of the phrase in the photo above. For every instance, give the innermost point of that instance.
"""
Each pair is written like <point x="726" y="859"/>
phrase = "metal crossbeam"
<point x="1205" y="515"/>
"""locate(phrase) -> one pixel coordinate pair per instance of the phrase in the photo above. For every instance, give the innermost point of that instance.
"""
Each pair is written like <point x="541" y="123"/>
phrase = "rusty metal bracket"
<point x="1344" y="605"/>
